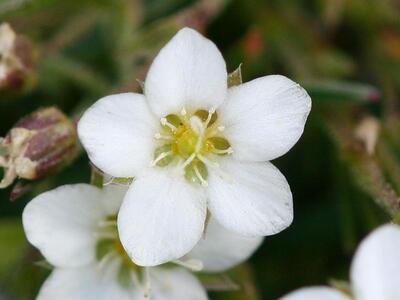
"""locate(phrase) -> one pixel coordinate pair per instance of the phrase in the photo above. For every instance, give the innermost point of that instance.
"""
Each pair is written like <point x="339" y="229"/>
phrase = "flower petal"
<point x="265" y="117"/>
<point x="375" y="271"/>
<point x="222" y="249"/>
<point x="118" y="134"/>
<point x="316" y="293"/>
<point x="86" y="283"/>
<point x="252" y="199"/>
<point x="175" y="284"/>
<point x="162" y="217"/>
<point x="188" y="72"/>
<point x="60" y="224"/>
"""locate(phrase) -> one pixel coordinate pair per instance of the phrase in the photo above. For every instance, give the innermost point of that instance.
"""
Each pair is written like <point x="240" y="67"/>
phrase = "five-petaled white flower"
<point x="74" y="227"/>
<point x="192" y="144"/>
<point x="375" y="271"/>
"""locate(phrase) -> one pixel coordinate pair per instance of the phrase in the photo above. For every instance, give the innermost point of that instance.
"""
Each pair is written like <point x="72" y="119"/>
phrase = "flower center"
<point x="193" y="141"/>
<point x="109" y="247"/>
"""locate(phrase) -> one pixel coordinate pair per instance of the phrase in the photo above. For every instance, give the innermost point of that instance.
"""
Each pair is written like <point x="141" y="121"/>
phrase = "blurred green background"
<point x="346" y="53"/>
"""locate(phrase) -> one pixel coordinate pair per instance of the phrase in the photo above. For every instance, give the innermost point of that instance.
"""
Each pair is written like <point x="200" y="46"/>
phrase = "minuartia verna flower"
<point x="74" y="227"/>
<point x="193" y="145"/>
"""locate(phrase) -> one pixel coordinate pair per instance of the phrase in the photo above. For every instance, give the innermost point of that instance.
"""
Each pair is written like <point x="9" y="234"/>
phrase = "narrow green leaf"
<point x="341" y="91"/>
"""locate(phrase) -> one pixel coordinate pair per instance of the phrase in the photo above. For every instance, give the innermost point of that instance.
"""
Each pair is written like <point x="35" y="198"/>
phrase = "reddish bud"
<point x="37" y="145"/>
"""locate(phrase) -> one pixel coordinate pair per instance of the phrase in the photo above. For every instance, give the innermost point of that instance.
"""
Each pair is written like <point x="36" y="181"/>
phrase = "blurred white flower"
<point x="192" y="144"/>
<point x="74" y="227"/>
<point x="375" y="271"/>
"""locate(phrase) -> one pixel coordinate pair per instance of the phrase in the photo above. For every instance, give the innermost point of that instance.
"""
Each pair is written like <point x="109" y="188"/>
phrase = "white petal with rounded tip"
<point x="162" y="217"/>
<point x="175" y="284"/>
<point x="253" y="199"/>
<point x="316" y="293"/>
<point x="118" y="134"/>
<point x="86" y="283"/>
<point x="61" y="223"/>
<point x="265" y="117"/>
<point x="222" y="249"/>
<point x="375" y="271"/>
<point x="188" y="72"/>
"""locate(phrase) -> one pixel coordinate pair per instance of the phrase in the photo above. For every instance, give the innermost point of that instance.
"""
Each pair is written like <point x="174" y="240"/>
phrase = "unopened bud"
<point x="16" y="59"/>
<point x="37" y="145"/>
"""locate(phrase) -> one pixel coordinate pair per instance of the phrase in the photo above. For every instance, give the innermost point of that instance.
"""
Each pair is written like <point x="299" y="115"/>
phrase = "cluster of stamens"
<point x="192" y="141"/>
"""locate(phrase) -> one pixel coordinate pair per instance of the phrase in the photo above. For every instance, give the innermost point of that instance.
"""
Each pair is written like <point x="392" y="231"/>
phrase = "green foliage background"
<point x="342" y="51"/>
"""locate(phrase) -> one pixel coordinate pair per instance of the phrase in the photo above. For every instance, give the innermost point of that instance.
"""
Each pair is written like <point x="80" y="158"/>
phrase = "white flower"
<point x="74" y="227"/>
<point x="192" y="144"/>
<point x="375" y="271"/>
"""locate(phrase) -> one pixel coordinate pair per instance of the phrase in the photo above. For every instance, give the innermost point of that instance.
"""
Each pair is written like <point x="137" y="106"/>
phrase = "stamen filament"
<point x="192" y="264"/>
<point x="106" y="259"/>
<point x="160" y="157"/>
<point x="198" y="174"/>
<point x="189" y="160"/>
<point x="224" y="151"/>
<point x="210" y="114"/>
<point x="165" y="122"/>
<point x="160" y="136"/>
<point x="147" y="286"/>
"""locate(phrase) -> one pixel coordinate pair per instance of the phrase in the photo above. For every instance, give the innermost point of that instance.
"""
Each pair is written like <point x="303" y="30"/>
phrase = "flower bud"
<point x="37" y="145"/>
<point x="16" y="59"/>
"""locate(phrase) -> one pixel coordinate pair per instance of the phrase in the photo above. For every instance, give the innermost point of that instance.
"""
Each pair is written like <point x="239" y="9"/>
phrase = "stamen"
<point x="165" y="122"/>
<point x="160" y="136"/>
<point x="106" y="259"/>
<point x="192" y="264"/>
<point x="198" y="174"/>
<point x="188" y="161"/>
<point x="225" y="151"/>
<point x="147" y="286"/>
<point x="183" y="112"/>
<point x="210" y="114"/>
<point x="160" y="157"/>
<point x="221" y="128"/>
